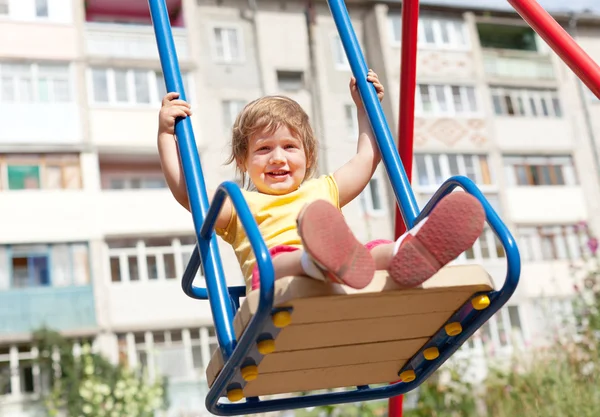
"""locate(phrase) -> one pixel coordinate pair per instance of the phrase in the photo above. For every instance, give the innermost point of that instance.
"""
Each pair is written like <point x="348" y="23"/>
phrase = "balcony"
<point x="108" y="40"/>
<point x="47" y="215"/>
<point x="546" y="204"/>
<point x="50" y="127"/>
<point x="527" y="133"/>
<point x="505" y="64"/>
<point x="64" y="309"/>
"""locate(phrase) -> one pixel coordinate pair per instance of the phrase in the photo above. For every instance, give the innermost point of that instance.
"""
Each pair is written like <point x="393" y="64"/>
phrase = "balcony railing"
<point x="128" y="41"/>
<point x="517" y="65"/>
<point x="60" y="308"/>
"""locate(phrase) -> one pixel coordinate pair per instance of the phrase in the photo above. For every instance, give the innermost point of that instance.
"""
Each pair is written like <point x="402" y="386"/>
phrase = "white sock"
<point x="309" y="267"/>
<point x="412" y="232"/>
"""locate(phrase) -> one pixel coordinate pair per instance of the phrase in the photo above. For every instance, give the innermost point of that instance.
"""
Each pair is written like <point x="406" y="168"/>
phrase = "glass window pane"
<point x="453" y="163"/>
<point x="53" y="177"/>
<point x="472" y="98"/>
<point x="169" y="260"/>
<point x="61" y="91"/>
<point x="100" y="83"/>
<point x="425" y="98"/>
<point x="497" y="105"/>
<point x="23" y="177"/>
<point x="115" y="269"/>
<point x="556" y="106"/>
<point x="121" y="92"/>
<point x="134" y="273"/>
<point x="421" y="169"/>
<point x="142" y="90"/>
<point x="440" y="94"/>
<point x="375" y="197"/>
<point x="457" y="99"/>
<point x="428" y="26"/>
<point x="152" y="267"/>
<point x="41" y="8"/>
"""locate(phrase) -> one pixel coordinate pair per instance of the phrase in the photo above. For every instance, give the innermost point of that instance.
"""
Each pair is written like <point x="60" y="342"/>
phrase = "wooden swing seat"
<point x="341" y="337"/>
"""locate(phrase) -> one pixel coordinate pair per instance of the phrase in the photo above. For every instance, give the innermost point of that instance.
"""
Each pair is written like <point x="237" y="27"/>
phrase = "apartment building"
<point x="93" y="244"/>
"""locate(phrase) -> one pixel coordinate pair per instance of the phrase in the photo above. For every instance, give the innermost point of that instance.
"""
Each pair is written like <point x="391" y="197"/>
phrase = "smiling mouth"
<point x="278" y="174"/>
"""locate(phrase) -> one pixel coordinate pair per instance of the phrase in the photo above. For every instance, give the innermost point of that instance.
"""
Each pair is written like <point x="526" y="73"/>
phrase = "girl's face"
<point x="276" y="163"/>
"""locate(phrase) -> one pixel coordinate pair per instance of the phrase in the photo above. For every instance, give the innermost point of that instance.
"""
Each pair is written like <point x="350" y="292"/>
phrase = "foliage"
<point x="87" y="384"/>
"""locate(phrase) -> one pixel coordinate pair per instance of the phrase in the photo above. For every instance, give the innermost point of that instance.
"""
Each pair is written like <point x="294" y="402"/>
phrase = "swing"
<point x="296" y="334"/>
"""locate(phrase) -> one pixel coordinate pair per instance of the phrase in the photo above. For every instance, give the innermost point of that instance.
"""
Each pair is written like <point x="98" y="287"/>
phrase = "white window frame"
<point x="234" y="107"/>
<point x="351" y="121"/>
<point x="454" y="43"/>
<point x="572" y="244"/>
<point x="5" y="3"/>
<point x="445" y="172"/>
<point x="337" y="51"/>
<point x="566" y="162"/>
<point x="227" y="58"/>
<point x="152" y="78"/>
<point x="526" y="96"/>
<point x="34" y="77"/>
<point x="140" y="252"/>
<point x="206" y="341"/>
<point x="366" y="198"/>
<point x="449" y="100"/>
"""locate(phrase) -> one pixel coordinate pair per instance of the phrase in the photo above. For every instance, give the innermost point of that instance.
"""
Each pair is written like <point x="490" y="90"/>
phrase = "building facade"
<point x="94" y="245"/>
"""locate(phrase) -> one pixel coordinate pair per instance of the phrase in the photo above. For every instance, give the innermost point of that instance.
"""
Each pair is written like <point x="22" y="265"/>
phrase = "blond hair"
<point x="264" y="116"/>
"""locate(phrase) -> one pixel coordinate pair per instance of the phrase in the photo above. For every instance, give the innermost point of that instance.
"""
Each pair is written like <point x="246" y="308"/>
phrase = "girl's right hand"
<point x="170" y="110"/>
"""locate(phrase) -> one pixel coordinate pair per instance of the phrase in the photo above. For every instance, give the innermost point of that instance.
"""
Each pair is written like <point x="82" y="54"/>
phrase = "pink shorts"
<point x="276" y="250"/>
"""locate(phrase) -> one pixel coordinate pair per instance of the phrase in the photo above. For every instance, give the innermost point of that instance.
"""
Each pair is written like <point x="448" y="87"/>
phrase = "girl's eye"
<point x="290" y="146"/>
<point x="263" y="148"/>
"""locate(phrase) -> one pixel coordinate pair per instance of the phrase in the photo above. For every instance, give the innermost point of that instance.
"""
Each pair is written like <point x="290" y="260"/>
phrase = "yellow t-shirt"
<point x="276" y="217"/>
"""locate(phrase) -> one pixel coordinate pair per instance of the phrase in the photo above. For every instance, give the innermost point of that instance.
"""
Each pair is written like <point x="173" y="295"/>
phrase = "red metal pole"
<point x="406" y="121"/>
<point x="408" y="81"/>
<point x="560" y="41"/>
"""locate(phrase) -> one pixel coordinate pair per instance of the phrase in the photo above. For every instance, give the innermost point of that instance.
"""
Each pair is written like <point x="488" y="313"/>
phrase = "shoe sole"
<point x="329" y="241"/>
<point x="451" y="228"/>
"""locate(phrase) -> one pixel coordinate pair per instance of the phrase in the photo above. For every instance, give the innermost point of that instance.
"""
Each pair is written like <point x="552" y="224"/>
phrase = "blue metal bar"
<point x="385" y="141"/>
<point x="216" y="285"/>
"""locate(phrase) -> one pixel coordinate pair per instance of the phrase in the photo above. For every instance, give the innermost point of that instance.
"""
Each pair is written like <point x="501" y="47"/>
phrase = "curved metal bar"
<point x="266" y="291"/>
<point x="393" y="165"/>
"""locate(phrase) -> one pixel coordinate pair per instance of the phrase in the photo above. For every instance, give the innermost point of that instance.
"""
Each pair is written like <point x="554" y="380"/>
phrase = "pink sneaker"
<point x="451" y="228"/>
<point x="332" y="247"/>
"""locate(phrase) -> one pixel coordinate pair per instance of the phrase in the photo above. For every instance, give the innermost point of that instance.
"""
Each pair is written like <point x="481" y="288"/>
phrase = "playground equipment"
<point x="297" y="334"/>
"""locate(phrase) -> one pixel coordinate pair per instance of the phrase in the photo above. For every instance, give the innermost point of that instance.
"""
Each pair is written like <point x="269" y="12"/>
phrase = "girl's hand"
<point x="170" y="110"/>
<point x="372" y="78"/>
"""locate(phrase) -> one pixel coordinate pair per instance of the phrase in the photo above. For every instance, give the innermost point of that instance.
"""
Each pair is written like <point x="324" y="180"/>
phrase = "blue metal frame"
<point x="224" y="301"/>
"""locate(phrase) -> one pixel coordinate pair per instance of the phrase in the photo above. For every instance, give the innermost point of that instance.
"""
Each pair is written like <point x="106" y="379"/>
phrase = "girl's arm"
<point x="353" y="177"/>
<point x="169" y="155"/>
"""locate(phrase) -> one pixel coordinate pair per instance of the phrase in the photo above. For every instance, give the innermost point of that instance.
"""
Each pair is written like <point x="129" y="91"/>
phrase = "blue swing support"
<point x="225" y="301"/>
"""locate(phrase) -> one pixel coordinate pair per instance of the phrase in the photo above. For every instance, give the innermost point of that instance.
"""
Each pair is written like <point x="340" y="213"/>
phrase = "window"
<point x="122" y="86"/>
<point x="290" y="80"/>
<point x="149" y="258"/>
<point x="228" y="44"/>
<point x="371" y="198"/>
<point x="445" y="99"/>
<point x="540" y="170"/>
<point x="351" y="121"/>
<point x="502" y="333"/>
<point x="29" y="268"/>
<point x="520" y="102"/>
<point x="434" y="32"/>
<point x="4" y="12"/>
<point x="34" y="172"/>
<point x="179" y="354"/>
<point x="32" y="82"/>
<point x="547" y="243"/>
<point x="130" y="173"/>
<point x="41" y="8"/>
<point x="434" y="169"/>
<point x="340" y="60"/>
<point x="514" y="37"/>
<point x="59" y="264"/>
<point x="231" y="109"/>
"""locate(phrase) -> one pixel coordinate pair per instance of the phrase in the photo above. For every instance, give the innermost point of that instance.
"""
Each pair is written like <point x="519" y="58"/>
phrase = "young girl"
<point x="275" y="151"/>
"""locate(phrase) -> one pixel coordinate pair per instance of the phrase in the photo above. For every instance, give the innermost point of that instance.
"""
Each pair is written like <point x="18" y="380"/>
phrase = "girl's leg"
<point x="451" y="228"/>
<point x="331" y="248"/>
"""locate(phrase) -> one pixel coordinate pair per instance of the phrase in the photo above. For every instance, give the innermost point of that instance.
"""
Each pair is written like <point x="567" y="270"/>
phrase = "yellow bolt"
<point x="481" y="302"/>
<point x="282" y="319"/>
<point x="408" y="376"/>
<point x="250" y="372"/>
<point x="266" y="346"/>
<point x="235" y="395"/>
<point x="453" y="329"/>
<point x="431" y="353"/>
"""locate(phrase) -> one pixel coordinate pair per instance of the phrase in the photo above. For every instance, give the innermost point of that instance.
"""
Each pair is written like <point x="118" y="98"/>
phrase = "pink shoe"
<point x="451" y="228"/>
<point x="332" y="247"/>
